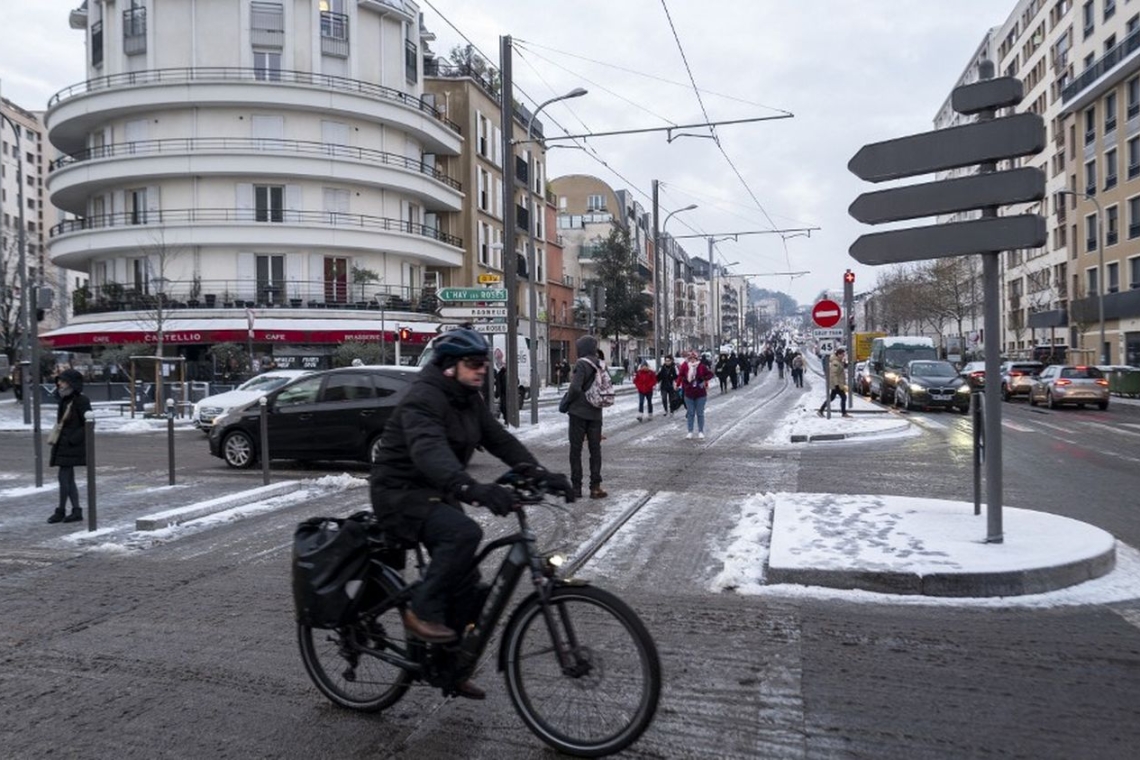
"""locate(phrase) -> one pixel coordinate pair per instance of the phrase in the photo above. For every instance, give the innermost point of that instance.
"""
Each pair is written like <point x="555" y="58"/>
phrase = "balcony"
<point x="334" y="34"/>
<point x="1106" y="64"/>
<point x="267" y="25"/>
<point x="134" y="31"/>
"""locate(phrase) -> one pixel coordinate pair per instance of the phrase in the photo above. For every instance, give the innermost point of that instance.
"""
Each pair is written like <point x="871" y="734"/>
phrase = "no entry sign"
<point x="826" y="313"/>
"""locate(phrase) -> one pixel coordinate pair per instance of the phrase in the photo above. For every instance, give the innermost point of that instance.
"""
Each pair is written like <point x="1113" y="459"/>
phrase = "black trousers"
<point x="837" y="391"/>
<point x="590" y="431"/>
<point x="451" y="539"/>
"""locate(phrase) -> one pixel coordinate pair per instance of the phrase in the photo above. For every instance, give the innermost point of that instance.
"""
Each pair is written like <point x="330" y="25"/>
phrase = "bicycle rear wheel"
<point x="607" y="697"/>
<point x="343" y="671"/>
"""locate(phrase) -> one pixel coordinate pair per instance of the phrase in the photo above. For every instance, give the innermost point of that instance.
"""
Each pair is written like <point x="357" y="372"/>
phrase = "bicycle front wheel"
<point x="603" y="696"/>
<point x="342" y="668"/>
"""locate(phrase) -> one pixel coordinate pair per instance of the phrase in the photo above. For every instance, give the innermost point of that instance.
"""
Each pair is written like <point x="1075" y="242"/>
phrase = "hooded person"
<point x="68" y="441"/>
<point x="419" y="482"/>
<point x="585" y="418"/>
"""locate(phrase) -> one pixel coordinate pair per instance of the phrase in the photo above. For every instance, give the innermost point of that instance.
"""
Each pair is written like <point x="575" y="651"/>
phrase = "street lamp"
<point x="532" y="261"/>
<point x="662" y="294"/>
<point x="1100" y="273"/>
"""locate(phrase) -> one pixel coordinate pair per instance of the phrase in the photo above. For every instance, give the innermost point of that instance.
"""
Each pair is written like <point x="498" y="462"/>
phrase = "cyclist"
<point x="419" y="480"/>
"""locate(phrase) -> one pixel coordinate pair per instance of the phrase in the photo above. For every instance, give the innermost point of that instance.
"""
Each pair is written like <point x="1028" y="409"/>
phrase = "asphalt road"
<point x="187" y="649"/>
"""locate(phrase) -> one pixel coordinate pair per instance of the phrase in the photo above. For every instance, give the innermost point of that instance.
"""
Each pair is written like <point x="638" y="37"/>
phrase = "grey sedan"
<point x="1070" y="384"/>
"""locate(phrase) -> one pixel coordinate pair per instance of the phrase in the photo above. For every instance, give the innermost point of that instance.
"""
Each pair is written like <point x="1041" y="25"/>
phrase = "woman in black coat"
<point x="70" y="450"/>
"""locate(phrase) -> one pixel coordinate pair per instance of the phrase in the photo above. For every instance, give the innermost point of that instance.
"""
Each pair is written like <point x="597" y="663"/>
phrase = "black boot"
<point x="75" y="516"/>
<point x="57" y="516"/>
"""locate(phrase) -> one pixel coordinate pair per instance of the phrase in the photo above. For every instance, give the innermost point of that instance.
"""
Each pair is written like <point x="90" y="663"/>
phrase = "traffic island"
<point x="179" y="515"/>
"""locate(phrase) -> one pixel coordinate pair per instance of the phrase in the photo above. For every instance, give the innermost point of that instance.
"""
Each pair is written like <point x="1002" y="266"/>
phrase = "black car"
<point x="336" y="414"/>
<point x="930" y="383"/>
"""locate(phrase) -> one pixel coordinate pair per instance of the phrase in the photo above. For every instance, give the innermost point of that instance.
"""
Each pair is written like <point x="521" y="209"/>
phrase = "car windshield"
<point x="932" y="369"/>
<point x="264" y="383"/>
<point x="1081" y="373"/>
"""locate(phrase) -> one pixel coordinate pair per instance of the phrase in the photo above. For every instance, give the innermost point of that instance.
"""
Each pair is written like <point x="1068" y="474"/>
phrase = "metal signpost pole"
<point x="510" y="219"/>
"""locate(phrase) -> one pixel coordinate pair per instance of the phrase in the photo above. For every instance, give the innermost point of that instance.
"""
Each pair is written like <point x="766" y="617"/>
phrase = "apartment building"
<point x="253" y="168"/>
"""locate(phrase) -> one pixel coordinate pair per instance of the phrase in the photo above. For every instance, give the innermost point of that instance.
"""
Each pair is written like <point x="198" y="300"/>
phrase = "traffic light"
<point x="404" y="334"/>
<point x="849" y="277"/>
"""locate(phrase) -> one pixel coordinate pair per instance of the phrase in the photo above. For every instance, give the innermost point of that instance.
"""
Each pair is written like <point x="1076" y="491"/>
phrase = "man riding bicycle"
<point x="419" y="481"/>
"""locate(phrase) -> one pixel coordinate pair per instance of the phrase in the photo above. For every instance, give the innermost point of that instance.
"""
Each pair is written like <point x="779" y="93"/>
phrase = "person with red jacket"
<point x="693" y="377"/>
<point x="645" y="380"/>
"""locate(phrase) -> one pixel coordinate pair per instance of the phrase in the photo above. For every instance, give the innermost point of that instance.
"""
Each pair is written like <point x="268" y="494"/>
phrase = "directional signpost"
<point x="471" y="294"/>
<point x="981" y="143"/>
<point x="472" y="312"/>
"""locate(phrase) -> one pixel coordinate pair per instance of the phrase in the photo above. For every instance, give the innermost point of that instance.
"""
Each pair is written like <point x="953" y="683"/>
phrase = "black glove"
<point x="530" y="471"/>
<point x="558" y="483"/>
<point x="494" y="497"/>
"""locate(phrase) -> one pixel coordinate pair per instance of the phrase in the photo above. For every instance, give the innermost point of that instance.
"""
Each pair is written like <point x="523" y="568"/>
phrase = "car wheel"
<point x="374" y="449"/>
<point x="1050" y="401"/>
<point x="237" y="450"/>
<point x="1102" y="405"/>
<point x="1005" y="394"/>
<point x="1032" y="399"/>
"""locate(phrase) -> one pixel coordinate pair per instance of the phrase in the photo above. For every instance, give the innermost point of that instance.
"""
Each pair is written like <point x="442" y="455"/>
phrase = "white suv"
<point x="212" y="407"/>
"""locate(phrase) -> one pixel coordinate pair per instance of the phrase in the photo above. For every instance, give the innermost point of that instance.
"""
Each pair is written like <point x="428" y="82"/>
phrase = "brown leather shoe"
<point x="433" y="633"/>
<point x="468" y="690"/>
<point x="597" y="493"/>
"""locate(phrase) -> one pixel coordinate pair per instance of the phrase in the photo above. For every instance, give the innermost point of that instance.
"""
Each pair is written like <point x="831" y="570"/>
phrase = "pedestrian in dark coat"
<point x="780" y="363"/>
<point x="745" y="368"/>
<point x="585" y="418"/>
<point x="721" y="371"/>
<point x="70" y="449"/>
<point x="667" y="382"/>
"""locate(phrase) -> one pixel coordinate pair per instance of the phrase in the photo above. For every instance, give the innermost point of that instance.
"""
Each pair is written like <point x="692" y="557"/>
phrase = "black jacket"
<point x="667" y="376"/>
<point x="430" y="438"/>
<point x="71" y="448"/>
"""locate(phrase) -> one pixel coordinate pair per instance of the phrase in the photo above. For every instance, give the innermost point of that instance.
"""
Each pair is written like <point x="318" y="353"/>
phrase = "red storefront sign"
<point x="96" y="336"/>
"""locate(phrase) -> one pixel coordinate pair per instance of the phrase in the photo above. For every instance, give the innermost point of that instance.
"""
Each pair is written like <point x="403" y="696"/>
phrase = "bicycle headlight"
<point x="553" y="563"/>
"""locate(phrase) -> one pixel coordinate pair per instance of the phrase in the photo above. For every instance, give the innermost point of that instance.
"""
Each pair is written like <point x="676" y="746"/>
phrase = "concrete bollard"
<point x="264" y="403"/>
<point x="89" y="440"/>
<point x="170" y="437"/>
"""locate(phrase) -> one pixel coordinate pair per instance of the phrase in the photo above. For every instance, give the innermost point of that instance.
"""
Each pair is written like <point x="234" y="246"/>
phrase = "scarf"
<point x="691" y="374"/>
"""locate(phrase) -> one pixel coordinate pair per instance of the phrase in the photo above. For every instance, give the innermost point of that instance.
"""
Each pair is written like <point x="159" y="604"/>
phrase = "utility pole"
<point x="510" y="256"/>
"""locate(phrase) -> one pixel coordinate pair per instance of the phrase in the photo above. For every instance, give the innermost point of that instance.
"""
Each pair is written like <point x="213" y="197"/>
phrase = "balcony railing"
<point x="97" y="43"/>
<point x="1107" y="62"/>
<point x="248" y="145"/>
<point x="248" y="215"/>
<point x="251" y="293"/>
<point x="334" y="34"/>
<point x="134" y="31"/>
<point x="215" y="74"/>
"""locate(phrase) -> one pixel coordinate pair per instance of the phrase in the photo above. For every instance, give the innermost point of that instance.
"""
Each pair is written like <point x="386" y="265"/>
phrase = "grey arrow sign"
<point x="988" y="93"/>
<point x="1000" y="233"/>
<point x="948" y="196"/>
<point x="952" y="148"/>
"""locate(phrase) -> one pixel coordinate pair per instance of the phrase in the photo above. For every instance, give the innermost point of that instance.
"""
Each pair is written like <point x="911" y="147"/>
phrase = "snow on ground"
<point x="107" y="419"/>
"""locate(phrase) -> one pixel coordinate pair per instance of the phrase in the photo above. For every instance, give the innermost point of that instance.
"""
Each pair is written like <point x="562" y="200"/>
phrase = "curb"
<point x="179" y="515"/>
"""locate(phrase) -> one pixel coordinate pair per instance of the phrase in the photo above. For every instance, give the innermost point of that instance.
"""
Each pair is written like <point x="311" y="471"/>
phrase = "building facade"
<point x="253" y="167"/>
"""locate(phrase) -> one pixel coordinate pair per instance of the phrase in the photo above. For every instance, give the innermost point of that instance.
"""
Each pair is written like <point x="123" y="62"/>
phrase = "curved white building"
<point x="228" y="157"/>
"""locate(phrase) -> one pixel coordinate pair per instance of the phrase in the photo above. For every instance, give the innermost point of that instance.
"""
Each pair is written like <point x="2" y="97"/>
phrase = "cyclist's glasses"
<point x="474" y="362"/>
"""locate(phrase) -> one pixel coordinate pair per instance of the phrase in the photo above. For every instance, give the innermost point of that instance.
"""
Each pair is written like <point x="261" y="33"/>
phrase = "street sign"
<point x="987" y="93"/>
<point x="471" y="312"/>
<point x="487" y="328"/>
<point x="826" y="346"/>
<point x="827" y="332"/>
<point x="826" y="313"/>
<point x="472" y="294"/>
<point x="949" y="196"/>
<point x="1002" y="233"/>
<point x="489" y="279"/>
<point x="952" y="148"/>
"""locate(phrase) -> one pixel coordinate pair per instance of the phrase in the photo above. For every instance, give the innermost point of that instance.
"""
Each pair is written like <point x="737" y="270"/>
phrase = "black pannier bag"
<point x="330" y="560"/>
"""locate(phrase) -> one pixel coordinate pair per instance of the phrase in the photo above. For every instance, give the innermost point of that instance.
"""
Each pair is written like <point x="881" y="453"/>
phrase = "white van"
<point x="889" y="356"/>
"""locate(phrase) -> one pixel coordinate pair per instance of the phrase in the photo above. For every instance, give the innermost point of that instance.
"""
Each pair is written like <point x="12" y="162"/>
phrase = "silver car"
<point x="1069" y="384"/>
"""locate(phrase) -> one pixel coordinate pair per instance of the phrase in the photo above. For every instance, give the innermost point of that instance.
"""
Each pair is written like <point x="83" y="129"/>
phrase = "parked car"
<point x="1017" y="378"/>
<point x="329" y="415"/>
<point x="1069" y="384"/>
<point x="208" y="409"/>
<point x="931" y="384"/>
<point x="862" y="379"/>
<point x="974" y="373"/>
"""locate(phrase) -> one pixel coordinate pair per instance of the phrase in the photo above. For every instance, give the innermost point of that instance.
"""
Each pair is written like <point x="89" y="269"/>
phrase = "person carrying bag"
<point x="68" y="440"/>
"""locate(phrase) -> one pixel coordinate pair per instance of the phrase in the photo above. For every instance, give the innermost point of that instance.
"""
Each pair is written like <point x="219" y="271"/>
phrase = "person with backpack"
<point x="646" y="382"/>
<point x="694" y="376"/>
<point x="584" y="403"/>
<point x="667" y="382"/>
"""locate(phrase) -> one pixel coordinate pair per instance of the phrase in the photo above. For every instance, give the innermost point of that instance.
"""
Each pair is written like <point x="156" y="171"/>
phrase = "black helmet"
<point x="458" y="343"/>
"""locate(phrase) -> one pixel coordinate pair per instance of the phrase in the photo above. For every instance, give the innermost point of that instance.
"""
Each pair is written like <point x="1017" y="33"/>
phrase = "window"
<point x="136" y="206"/>
<point x="1109" y="112"/>
<point x="302" y="392"/>
<point x="1090" y="232"/>
<point x="484" y="190"/>
<point x="1134" y="158"/>
<point x="1110" y="168"/>
<point x="1109" y="9"/>
<point x="1134" y="217"/>
<point x="484" y="244"/>
<point x="270" y="278"/>
<point x="348" y="386"/>
<point x="1092" y="287"/>
<point x="1133" y="25"/>
<point x="1087" y="15"/>
<point x="269" y="203"/>
<point x="267" y="65"/>
<point x="595" y="203"/>
<point x="1090" y="125"/>
<point x="1112" y="274"/>
<point x="1112" y="225"/>
<point x="1090" y="177"/>
<point x="1133" y="88"/>
<point x="1134" y="272"/>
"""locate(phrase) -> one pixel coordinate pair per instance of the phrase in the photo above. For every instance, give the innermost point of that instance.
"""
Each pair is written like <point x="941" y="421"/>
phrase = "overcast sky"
<point x="850" y="71"/>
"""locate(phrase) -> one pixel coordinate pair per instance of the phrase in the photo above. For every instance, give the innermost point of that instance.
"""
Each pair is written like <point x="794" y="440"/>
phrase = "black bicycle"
<point x="580" y="666"/>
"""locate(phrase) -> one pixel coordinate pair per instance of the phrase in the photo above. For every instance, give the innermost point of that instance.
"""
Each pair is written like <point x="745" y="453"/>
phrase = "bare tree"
<point x="153" y="308"/>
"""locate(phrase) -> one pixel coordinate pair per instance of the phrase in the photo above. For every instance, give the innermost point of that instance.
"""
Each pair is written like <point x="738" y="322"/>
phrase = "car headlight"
<point x="916" y="388"/>
<point x="964" y="388"/>
<point x="892" y="376"/>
